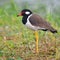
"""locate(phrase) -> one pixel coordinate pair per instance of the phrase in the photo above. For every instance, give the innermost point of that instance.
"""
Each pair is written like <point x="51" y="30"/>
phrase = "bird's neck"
<point x="24" y="19"/>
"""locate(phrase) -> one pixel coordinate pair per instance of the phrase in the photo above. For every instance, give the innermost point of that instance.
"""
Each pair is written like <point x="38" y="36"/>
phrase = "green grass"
<point x="18" y="43"/>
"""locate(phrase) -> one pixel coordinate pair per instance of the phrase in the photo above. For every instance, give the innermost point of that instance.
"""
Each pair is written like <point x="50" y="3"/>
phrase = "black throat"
<point x="24" y="19"/>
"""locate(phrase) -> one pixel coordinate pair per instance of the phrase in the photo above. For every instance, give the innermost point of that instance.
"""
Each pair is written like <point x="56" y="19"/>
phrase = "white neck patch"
<point x="27" y="12"/>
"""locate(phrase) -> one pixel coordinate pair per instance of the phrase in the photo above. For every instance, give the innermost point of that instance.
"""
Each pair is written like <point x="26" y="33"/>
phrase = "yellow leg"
<point x="36" y="35"/>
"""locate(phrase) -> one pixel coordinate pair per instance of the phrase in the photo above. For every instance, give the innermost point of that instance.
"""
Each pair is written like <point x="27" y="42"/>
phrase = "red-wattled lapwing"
<point x="35" y="22"/>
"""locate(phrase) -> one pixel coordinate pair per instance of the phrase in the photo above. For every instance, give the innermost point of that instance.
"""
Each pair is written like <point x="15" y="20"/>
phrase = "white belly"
<point x="29" y="25"/>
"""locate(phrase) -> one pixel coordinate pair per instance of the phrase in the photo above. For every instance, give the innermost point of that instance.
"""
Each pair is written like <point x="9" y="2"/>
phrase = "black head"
<point x="25" y="12"/>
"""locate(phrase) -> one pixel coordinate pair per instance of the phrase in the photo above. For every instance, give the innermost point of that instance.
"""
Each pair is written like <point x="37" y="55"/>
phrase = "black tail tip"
<point x="55" y="31"/>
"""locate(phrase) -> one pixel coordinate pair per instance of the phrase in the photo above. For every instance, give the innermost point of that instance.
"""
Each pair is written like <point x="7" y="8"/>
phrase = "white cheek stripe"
<point x="27" y="12"/>
<point x="29" y="25"/>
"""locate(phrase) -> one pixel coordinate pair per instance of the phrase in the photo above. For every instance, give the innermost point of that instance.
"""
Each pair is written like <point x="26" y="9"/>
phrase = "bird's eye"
<point x="27" y="12"/>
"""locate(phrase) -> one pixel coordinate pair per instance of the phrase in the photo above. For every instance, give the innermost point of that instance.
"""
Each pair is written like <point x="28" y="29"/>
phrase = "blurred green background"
<point x="17" y="42"/>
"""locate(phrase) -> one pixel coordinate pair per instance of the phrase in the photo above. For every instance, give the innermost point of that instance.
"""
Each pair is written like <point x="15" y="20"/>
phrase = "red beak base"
<point x="19" y="15"/>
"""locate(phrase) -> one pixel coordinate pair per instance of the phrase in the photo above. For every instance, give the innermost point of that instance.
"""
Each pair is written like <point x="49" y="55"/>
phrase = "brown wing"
<point x="36" y="20"/>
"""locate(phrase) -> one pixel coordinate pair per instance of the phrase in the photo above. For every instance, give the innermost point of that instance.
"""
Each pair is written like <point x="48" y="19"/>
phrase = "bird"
<point x="35" y="22"/>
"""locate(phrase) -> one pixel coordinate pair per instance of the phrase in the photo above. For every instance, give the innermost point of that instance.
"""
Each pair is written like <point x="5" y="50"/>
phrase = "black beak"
<point x="17" y="15"/>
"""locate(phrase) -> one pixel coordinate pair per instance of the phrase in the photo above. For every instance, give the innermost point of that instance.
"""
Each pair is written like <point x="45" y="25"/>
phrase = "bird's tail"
<point x="53" y="30"/>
